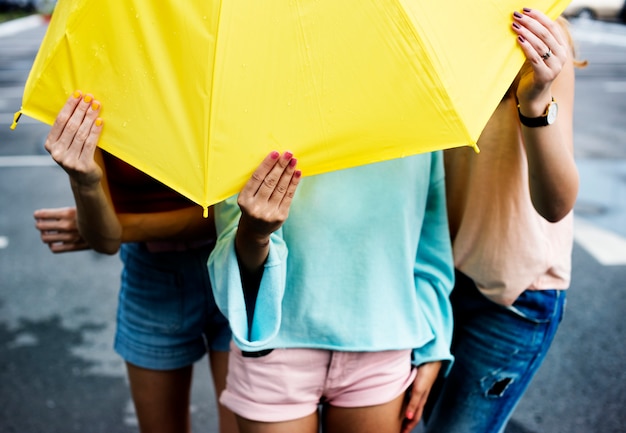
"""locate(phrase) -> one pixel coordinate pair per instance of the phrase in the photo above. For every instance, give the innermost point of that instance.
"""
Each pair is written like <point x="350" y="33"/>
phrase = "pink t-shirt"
<point x="499" y="240"/>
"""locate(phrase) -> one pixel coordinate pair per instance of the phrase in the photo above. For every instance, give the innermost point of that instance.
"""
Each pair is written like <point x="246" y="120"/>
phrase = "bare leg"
<point x="384" y="418"/>
<point x="308" y="424"/>
<point x="161" y="398"/>
<point x="218" y="362"/>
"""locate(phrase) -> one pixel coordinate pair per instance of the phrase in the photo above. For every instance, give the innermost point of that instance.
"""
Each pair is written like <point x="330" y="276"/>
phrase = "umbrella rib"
<point x="207" y="135"/>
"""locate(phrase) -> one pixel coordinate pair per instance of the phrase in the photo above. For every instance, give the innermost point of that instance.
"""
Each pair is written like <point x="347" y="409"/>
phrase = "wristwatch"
<point x="547" y="118"/>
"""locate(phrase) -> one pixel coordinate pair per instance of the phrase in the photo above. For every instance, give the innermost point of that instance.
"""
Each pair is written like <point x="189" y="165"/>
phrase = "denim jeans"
<point x="497" y="351"/>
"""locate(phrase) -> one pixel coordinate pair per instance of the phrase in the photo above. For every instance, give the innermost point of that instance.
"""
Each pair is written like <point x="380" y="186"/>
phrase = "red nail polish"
<point x="274" y="155"/>
<point x="287" y="155"/>
<point x="297" y="173"/>
<point x="293" y="162"/>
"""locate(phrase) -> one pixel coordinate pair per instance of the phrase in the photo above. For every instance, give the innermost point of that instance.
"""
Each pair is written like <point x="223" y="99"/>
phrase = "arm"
<point x="59" y="227"/>
<point x="553" y="175"/>
<point x="72" y="144"/>
<point x="264" y="203"/>
<point x="249" y="258"/>
<point x="434" y="280"/>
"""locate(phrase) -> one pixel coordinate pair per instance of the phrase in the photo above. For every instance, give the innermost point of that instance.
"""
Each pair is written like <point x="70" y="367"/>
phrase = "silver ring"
<point x="547" y="54"/>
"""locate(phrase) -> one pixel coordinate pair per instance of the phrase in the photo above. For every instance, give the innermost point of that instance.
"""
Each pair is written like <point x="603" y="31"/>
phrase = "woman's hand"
<point x="547" y="50"/>
<point x="264" y="203"/>
<point x="59" y="229"/>
<point x="426" y="375"/>
<point x="73" y="138"/>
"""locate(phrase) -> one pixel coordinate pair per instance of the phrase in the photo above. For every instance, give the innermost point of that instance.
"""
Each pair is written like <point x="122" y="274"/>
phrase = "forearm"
<point x="552" y="172"/>
<point x="252" y="250"/>
<point x="96" y="218"/>
<point x="553" y="177"/>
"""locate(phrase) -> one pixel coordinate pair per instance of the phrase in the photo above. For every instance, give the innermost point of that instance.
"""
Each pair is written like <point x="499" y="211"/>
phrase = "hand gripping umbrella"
<point x="196" y="93"/>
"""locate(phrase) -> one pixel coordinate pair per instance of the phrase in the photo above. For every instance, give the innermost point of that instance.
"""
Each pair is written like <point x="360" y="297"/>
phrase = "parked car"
<point x="27" y="5"/>
<point x="610" y="10"/>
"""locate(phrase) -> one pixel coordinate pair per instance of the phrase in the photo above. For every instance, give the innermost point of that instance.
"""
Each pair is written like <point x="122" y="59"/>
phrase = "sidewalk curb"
<point x="20" y="24"/>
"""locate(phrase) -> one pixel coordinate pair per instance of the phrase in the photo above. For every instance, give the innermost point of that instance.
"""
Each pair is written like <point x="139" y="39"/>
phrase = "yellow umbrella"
<point x="196" y="93"/>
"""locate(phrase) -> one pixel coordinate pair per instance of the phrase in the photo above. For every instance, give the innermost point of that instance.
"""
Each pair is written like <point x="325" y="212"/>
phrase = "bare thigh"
<point x="161" y="398"/>
<point x="383" y="418"/>
<point x="308" y="424"/>
<point x="218" y="362"/>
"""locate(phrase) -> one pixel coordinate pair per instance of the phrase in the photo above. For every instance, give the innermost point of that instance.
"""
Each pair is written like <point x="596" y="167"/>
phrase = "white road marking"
<point x="15" y="26"/>
<point x="608" y="248"/>
<point x="26" y="161"/>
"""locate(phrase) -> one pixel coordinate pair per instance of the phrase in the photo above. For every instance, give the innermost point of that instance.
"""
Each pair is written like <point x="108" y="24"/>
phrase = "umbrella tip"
<point x="205" y="212"/>
<point x="475" y="147"/>
<point x="16" y="118"/>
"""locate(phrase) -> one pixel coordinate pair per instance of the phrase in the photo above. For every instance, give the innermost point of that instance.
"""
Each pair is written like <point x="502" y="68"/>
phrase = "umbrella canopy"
<point x="196" y="93"/>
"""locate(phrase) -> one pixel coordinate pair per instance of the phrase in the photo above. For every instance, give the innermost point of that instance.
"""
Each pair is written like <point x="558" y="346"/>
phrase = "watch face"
<point x="552" y="112"/>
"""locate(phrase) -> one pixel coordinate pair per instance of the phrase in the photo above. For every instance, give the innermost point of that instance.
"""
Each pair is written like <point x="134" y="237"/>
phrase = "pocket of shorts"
<point x="152" y="298"/>
<point x="539" y="306"/>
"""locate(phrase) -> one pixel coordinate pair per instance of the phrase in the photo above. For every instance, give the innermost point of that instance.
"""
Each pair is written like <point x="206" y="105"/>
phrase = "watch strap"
<point x="535" y="122"/>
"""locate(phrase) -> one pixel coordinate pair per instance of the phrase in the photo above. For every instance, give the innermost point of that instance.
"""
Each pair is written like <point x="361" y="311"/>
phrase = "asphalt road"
<point x="58" y="372"/>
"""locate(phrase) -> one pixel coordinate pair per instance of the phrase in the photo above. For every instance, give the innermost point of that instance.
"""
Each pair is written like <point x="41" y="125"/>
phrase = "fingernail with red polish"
<point x="293" y="162"/>
<point x="274" y="155"/>
<point x="287" y="155"/>
<point x="297" y="173"/>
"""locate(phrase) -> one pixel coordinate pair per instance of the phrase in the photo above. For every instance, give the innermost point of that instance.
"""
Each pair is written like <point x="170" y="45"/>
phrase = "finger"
<point x="272" y="180"/>
<point x="93" y="136"/>
<point x="536" y="39"/>
<point x="83" y="145"/>
<point x="412" y="406"/>
<point x="42" y="214"/>
<point x="57" y="224"/>
<point x="75" y="132"/>
<point x="553" y="27"/>
<point x="291" y="189"/>
<point x="61" y="247"/>
<point x="409" y="425"/>
<point x="255" y="181"/>
<point x="62" y="118"/>
<point x="55" y="213"/>
<point x="48" y="236"/>
<point x="283" y="183"/>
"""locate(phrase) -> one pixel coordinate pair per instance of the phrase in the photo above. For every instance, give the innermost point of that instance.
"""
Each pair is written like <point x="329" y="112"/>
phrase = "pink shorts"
<point x="288" y="384"/>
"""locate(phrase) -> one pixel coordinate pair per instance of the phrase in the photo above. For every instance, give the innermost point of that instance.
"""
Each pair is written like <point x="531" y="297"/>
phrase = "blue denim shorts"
<point x="167" y="317"/>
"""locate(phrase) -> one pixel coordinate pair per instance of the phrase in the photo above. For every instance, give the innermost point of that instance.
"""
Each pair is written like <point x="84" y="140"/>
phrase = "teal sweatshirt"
<point x="363" y="263"/>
